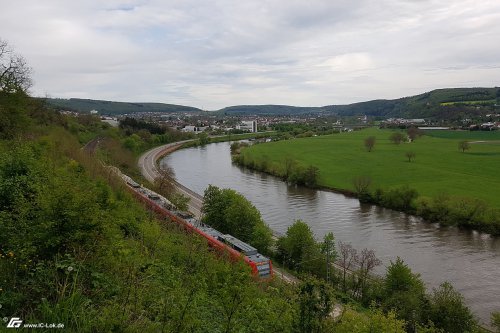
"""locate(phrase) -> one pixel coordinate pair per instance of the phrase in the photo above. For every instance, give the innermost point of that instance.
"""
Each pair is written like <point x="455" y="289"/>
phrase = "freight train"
<point x="223" y="243"/>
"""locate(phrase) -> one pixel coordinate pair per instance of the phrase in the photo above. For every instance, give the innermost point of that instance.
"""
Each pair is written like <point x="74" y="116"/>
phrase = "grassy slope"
<point x="438" y="167"/>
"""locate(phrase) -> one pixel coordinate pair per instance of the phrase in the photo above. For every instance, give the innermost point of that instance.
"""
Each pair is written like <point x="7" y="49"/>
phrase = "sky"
<point x="212" y="54"/>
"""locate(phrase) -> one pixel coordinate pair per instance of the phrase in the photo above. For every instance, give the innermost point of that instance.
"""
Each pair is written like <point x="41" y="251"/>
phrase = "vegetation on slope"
<point x="115" y="108"/>
<point x="448" y="104"/>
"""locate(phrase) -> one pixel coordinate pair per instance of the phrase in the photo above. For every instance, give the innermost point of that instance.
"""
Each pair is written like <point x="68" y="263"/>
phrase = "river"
<point x="469" y="260"/>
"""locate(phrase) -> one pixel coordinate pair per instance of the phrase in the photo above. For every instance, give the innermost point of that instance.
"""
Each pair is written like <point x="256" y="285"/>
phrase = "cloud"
<point x="213" y="54"/>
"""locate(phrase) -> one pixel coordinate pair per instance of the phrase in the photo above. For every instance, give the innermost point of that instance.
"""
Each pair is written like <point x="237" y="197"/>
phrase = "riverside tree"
<point x="404" y="292"/>
<point x="298" y="248"/>
<point x="447" y="310"/>
<point x="230" y="212"/>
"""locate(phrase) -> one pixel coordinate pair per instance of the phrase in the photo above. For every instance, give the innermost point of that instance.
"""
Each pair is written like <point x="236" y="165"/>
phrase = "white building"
<point x="250" y="126"/>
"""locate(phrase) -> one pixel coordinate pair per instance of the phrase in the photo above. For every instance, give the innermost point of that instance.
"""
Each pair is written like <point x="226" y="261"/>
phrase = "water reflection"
<point x="468" y="259"/>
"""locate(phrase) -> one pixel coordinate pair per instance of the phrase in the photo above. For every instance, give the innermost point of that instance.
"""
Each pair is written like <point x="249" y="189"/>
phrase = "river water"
<point x="468" y="259"/>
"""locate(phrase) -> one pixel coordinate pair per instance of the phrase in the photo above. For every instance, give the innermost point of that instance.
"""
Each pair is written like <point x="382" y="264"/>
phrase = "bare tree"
<point x="397" y="138"/>
<point x="366" y="262"/>
<point x="347" y="255"/>
<point x="165" y="182"/>
<point x="410" y="155"/>
<point x="15" y="74"/>
<point x="370" y="143"/>
<point x="413" y="133"/>
<point x="463" y="146"/>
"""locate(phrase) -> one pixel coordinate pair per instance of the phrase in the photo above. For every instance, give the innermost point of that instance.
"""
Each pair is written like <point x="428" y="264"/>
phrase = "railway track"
<point x="149" y="169"/>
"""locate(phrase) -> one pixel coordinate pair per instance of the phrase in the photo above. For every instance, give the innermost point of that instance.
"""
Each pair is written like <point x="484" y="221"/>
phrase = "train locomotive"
<point x="225" y="244"/>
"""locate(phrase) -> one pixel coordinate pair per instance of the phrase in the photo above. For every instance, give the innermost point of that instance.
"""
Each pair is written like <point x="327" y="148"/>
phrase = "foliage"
<point x="203" y="139"/>
<point x="397" y="138"/>
<point x="298" y="248"/>
<point x="413" y="133"/>
<point x="362" y="187"/>
<point x="401" y="198"/>
<point x="77" y="251"/>
<point x="432" y="104"/>
<point x="495" y="320"/>
<point x="180" y="201"/>
<point x="116" y="108"/>
<point x="133" y="125"/>
<point x="410" y="155"/>
<point x="15" y="74"/>
<point x="231" y="213"/>
<point x="369" y="143"/>
<point x="448" y="311"/>
<point x="329" y="251"/>
<point x="463" y="146"/>
<point x="315" y="304"/>
<point x="13" y="118"/>
<point x="404" y="292"/>
<point x="375" y="321"/>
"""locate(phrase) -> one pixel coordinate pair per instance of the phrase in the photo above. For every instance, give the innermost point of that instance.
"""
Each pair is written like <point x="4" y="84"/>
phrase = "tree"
<point x="310" y="175"/>
<point x="361" y="184"/>
<point x="290" y="165"/>
<point x="315" y="304"/>
<point x="463" y="146"/>
<point x="165" y="182"/>
<point x="448" y="311"/>
<point x="404" y="293"/>
<point x="370" y="143"/>
<point x="413" y="133"/>
<point x="180" y="201"/>
<point x="15" y="80"/>
<point x="495" y="316"/>
<point x="366" y="262"/>
<point x="15" y="74"/>
<point x="298" y="247"/>
<point x="348" y="256"/>
<point x="328" y="249"/>
<point x="203" y="138"/>
<point x="397" y="138"/>
<point x="229" y="212"/>
<point x="410" y="155"/>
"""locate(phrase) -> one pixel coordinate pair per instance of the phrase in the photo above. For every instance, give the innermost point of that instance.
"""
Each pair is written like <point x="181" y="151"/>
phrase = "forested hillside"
<point x="448" y="104"/>
<point x="115" y="108"/>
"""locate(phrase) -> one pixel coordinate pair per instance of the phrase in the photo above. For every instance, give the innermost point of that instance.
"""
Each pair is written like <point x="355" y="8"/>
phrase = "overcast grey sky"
<point x="212" y="54"/>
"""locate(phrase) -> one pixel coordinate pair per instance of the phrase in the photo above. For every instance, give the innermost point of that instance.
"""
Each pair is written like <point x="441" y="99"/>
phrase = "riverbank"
<point x="469" y="260"/>
<point x="440" y="184"/>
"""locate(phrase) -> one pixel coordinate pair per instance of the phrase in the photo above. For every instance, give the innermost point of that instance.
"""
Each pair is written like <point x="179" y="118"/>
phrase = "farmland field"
<point x="439" y="166"/>
<point x="465" y="135"/>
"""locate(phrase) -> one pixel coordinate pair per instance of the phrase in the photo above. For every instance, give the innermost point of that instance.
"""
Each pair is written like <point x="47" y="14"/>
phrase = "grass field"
<point x="489" y="101"/>
<point x="439" y="167"/>
<point x="465" y="135"/>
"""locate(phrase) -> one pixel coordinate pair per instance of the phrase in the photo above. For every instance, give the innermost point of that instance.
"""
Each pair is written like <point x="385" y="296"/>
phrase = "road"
<point x="149" y="169"/>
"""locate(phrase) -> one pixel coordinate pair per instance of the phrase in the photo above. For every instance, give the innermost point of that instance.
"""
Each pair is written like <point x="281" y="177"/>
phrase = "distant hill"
<point x="268" y="110"/>
<point x="116" y="108"/>
<point x="441" y="104"/>
<point x="449" y="103"/>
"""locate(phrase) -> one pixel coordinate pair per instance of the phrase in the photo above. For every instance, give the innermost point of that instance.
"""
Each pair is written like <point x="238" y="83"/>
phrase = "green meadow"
<point x="438" y="167"/>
